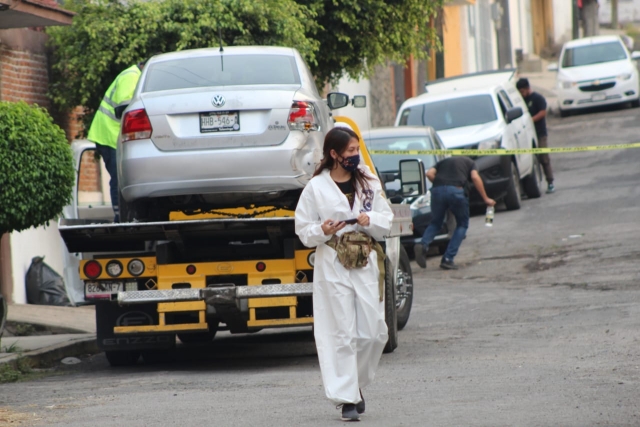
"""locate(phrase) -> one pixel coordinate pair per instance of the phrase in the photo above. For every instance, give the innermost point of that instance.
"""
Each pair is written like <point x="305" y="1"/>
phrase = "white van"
<point x="482" y="111"/>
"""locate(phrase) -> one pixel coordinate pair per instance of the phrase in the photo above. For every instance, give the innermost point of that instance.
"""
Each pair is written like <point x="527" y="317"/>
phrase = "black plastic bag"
<point x="44" y="285"/>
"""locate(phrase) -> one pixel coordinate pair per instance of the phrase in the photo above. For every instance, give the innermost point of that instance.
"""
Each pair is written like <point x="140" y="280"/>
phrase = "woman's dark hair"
<point x="338" y="139"/>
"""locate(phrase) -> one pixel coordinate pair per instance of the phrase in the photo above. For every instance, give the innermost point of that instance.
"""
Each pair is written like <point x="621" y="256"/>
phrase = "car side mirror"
<point x="412" y="178"/>
<point x="635" y="55"/>
<point x="359" y="101"/>
<point x="512" y="114"/>
<point x="337" y="100"/>
<point x="552" y="67"/>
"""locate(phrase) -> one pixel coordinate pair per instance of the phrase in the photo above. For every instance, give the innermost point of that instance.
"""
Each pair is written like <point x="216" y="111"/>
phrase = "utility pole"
<point x="614" y="14"/>
<point x="575" y="34"/>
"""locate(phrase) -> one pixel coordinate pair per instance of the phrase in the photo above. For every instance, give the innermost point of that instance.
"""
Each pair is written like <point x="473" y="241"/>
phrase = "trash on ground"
<point x="71" y="361"/>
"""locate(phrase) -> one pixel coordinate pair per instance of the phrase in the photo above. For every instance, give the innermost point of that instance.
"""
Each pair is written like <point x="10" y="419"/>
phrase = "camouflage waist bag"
<point x="353" y="250"/>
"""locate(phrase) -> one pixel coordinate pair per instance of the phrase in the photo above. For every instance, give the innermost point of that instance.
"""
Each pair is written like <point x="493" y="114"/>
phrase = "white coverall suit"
<point x="350" y="330"/>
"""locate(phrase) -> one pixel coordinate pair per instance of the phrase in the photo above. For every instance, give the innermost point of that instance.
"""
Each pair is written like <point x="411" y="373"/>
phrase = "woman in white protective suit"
<point x="350" y="330"/>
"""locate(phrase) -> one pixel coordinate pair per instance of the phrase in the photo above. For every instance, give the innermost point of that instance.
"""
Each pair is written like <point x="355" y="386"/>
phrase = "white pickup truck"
<point x="482" y="111"/>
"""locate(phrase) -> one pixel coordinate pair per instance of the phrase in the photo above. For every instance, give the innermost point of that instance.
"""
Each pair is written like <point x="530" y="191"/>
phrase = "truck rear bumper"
<point x="216" y="295"/>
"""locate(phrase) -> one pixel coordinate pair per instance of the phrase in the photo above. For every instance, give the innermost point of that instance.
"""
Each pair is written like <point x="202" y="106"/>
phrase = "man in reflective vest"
<point x="105" y="126"/>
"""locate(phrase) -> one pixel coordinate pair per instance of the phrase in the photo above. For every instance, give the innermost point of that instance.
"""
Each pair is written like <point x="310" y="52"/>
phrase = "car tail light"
<point x="302" y="116"/>
<point x="136" y="125"/>
<point x="92" y="269"/>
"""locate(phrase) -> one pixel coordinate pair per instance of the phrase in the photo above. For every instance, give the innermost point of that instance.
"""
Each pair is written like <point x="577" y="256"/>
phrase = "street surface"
<point x="540" y="328"/>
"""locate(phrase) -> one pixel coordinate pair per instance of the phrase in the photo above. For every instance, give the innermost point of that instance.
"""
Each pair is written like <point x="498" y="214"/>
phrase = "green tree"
<point x="357" y="35"/>
<point x="36" y="167"/>
<point x="106" y="37"/>
<point x="336" y="37"/>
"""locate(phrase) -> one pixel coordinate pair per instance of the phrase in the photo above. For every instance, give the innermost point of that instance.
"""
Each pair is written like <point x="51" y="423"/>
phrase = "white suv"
<point x="482" y="111"/>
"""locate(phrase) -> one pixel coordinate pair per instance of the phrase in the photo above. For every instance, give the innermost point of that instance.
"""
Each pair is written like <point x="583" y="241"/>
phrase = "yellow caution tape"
<point x="503" y="152"/>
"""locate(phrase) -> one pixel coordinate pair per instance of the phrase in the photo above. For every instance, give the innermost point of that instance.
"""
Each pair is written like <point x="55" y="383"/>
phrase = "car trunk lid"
<point x="224" y="117"/>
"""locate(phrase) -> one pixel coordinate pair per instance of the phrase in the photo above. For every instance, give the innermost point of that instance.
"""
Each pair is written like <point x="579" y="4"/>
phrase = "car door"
<point x="517" y="130"/>
<point x="527" y="135"/>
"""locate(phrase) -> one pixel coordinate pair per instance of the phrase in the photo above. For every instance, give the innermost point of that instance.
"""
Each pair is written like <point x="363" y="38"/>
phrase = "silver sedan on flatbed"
<point x="218" y="128"/>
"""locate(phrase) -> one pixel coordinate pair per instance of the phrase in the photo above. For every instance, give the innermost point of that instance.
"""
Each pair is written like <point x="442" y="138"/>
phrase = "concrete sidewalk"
<point x="44" y="350"/>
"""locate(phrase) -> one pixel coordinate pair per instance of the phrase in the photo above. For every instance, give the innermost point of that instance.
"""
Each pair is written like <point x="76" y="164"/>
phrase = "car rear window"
<point x="390" y="162"/>
<point x="230" y="70"/>
<point x="451" y="113"/>
<point x="593" y="54"/>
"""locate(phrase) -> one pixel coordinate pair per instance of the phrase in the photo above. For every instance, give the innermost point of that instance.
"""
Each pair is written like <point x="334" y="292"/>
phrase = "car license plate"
<point x="220" y="121"/>
<point x="94" y="289"/>
<point x="598" y="97"/>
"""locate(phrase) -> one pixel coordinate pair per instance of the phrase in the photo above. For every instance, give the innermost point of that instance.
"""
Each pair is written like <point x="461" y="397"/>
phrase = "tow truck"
<point x="239" y="270"/>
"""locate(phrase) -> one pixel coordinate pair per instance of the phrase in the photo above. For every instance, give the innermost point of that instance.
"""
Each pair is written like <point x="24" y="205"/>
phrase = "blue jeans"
<point x="448" y="198"/>
<point x="108" y="155"/>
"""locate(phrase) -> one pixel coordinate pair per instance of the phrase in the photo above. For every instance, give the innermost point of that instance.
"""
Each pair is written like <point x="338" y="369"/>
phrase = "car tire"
<point x="564" y="113"/>
<point x="404" y="283"/>
<point x="531" y="182"/>
<point x="122" y="358"/>
<point x="636" y="103"/>
<point x="512" y="199"/>
<point x="390" y="311"/>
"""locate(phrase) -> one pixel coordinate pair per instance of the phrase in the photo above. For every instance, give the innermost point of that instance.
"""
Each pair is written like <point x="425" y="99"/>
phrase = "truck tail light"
<point x="92" y="269"/>
<point x="135" y="267"/>
<point x="302" y="116"/>
<point x="136" y="125"/>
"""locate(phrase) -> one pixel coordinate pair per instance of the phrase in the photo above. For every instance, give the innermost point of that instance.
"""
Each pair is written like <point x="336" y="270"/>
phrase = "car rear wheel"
<point x="531" y="183"/>
<point x="512" y="199"/>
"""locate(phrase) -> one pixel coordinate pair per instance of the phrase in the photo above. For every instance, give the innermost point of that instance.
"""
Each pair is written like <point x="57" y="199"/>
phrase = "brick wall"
<point x="23" y="76"/>
<point x="89" y="179"/>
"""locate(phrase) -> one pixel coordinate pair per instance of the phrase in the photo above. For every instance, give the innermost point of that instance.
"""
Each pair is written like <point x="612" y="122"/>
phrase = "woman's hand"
<point x="331" y="227"/>
<point x="363" y="219"/>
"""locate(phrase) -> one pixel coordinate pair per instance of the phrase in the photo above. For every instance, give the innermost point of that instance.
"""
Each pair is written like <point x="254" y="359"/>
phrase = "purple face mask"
<point x="350" y="163"/>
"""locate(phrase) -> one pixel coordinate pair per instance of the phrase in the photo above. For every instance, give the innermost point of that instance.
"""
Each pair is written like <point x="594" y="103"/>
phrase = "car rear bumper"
<point x="144" y="171"/>
<point x="420" y="224"/>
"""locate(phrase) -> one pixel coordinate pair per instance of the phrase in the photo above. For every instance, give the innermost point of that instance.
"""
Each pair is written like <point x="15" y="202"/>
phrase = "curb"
<point x="45" y="357"/>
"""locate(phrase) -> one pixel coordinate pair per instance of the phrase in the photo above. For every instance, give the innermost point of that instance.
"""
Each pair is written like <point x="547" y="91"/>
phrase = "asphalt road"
<point x="540" y="328"/>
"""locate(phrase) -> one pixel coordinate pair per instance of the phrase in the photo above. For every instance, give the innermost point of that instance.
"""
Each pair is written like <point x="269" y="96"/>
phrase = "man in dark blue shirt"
<point x="538" y="109"/>
<point x="450" y="178"/>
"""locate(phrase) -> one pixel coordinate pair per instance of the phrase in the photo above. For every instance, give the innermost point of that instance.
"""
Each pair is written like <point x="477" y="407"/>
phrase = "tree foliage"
<point x="36" y="167"/>
<point x="106" y="37"/>
<point x="334" y="36"/>
<point x="357" y="35"/>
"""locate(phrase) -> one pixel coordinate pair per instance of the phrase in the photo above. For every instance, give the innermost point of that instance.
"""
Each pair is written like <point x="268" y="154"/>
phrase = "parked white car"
<point x="596" y="71"/>
<point x="482" y="111"/>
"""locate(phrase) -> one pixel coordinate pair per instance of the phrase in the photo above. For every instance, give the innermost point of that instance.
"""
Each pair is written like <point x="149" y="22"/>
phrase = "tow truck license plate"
<point x="219" y="121"/>
<point x="102" y="288"/>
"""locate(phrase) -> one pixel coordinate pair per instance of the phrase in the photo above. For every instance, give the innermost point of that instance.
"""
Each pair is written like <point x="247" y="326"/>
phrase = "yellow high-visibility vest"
<point x="105" y="127"/>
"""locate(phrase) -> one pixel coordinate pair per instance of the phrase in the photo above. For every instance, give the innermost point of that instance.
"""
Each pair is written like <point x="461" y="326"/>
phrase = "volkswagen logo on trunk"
<point x="218" y="101"/>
